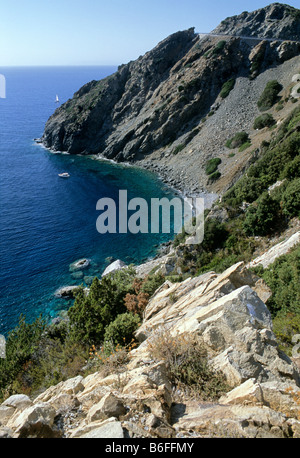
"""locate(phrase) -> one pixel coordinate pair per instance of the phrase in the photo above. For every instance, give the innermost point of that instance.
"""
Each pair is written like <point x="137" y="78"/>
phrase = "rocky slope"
<point x="276" y="21"/>
<point x="164" y="110"/>
<point x="227" y="314"/>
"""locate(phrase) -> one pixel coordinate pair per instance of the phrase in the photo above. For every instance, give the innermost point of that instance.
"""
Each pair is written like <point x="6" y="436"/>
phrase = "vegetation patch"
<point x="227" y="88"/>
<point x="178" y="148"/>
<point x="244" y="146"/>
<point x="120" y="331"/>
<point x="262" y="216"/>
<point x="269" y="96"/>
<point x="39" y="355"/>
<point x="215" y="176"/>
<point x="283" y="278"/>
<point x="265" y="120"/>
<point x="238" y="140"/>
<point x="279" y="161"/>
<point x="186" y="360"/>
<point x="219" y="47"/>
<point x="291" y="199"/>
<point x="212" y="165"/>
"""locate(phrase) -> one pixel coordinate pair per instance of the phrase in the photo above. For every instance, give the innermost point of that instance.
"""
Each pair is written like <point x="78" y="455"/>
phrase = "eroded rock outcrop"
<point x="236" y="328"/>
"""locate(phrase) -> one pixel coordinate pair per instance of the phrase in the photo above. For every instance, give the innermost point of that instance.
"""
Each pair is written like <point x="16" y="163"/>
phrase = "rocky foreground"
<point x="227" y="313"/>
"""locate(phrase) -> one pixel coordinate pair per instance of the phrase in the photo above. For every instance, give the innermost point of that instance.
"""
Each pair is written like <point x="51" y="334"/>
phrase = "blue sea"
<point x="48" y="222"/>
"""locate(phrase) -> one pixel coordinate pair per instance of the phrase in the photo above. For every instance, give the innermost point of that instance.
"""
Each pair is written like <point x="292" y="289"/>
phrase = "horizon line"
<point x="58" y="65"/>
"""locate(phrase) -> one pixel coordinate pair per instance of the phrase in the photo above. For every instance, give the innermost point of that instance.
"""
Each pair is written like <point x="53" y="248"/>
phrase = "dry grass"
<point x="110" y="358"/>
<point x="296" y="398"/>
<point x="185" y="358"/>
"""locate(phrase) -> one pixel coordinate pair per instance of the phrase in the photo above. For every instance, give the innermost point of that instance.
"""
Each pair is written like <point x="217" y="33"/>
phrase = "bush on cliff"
<point x="211" y="165"/>
<point x="21" y="344"/>
<point x="261" y="217"/>
<point x="120" y="331"/>
<point x="227" y="88"/>
<point x="186" y="361"/>
<point x="240" y="139"/>
<point x="265" y="120"/>
<point x="90" y="314"/>
<point x="269" y="96"/>
<point x="291" y="199"/>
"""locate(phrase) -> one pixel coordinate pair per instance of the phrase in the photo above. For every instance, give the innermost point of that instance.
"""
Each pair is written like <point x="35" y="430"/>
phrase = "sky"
<point x="103" y="32"/>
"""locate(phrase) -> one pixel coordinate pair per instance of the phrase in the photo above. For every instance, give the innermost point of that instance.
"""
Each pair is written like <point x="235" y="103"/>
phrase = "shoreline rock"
<point x="114" y="266"/>
<point x="67" y="292"/>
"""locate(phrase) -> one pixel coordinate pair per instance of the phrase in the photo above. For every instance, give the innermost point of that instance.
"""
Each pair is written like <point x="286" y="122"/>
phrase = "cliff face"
<point x="92" y="121"/>
<point x="156" y="109"/>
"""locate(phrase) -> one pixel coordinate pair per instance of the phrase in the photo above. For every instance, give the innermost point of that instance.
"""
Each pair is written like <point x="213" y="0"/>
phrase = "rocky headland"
<point x="166" y="111"/>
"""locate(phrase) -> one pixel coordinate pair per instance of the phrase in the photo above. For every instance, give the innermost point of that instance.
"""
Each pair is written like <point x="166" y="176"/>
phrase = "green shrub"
<point x="244" y="146"/>
<point x="120" y="331"/>
<point x="179" y="238"/>
<point x="283" y="277"/>
<point x="269" y="96"/>
<point x="53" y="362"/>
<point x="248" y="189"/>
<point x="279" y="106"/>
<point x="178" y="148"/>
<point x="262" y="216"/>
<point x="90" y="314"/>
<point x="215" y="234"/>
<point x="276" y="162"/>
<point x="215" y="176"/>
<point x="265" y="120"/>
<point x="212" y="165"/>
<point x="285" y="327"/>
<point x="21" y="343"/>
<point x="227" y="88"/>
<point x="219" y="47"/>
<point x="238" y="140"/>
<point x="151" y="283"/>
<point x="290" y="123"/>
<point x="291" y="199"/>
<point x="292" y="169"/>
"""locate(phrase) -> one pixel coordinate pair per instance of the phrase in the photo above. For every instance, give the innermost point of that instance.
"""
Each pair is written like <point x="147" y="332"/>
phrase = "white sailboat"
<point x="56" y="99"/>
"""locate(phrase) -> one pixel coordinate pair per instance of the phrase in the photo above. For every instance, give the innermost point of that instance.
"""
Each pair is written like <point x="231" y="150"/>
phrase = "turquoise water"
<point x="48" y="222"/>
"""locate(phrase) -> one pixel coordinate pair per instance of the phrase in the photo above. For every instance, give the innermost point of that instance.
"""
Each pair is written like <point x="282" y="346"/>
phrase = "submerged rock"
<point x="77" y="275"/>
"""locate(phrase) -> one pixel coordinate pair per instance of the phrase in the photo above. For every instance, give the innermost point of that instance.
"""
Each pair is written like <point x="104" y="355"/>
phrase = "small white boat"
<point x="64" y="175"/>
<point x="56" y="99"/>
